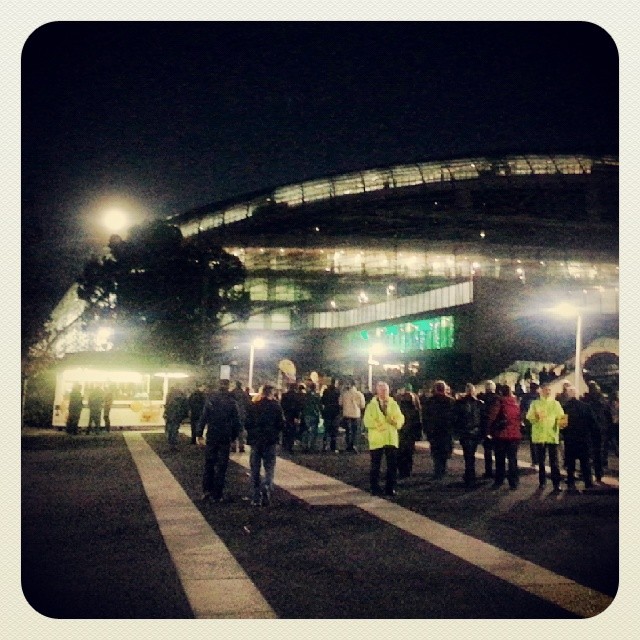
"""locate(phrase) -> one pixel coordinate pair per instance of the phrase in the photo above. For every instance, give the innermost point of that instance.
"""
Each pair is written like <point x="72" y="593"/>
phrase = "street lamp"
<point x="568" y="310"/>
<point x="376" y="349"/>
<point x="257" y="343"/>
<point x="115" y="220"/>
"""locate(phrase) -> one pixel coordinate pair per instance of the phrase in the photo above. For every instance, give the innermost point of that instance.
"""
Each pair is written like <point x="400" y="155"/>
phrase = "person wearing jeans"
<point x="265" y="423"/>
<point x="352" y="403"/>
<point x="545" y="415"/>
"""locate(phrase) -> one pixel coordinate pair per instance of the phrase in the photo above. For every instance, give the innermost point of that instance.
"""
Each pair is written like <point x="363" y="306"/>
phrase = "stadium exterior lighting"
<point x="569" y="310"/>
<point x="257" y="343"/>
<point x="376" y="349"/>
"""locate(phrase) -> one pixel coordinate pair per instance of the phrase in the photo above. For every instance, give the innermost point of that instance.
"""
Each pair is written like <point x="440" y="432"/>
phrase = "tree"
<point x="163" y="296"/>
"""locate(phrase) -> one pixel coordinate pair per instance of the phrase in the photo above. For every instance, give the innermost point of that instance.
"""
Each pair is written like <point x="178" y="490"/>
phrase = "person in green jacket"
<point x="382" y="420"/>
<point x="547" y="418"/>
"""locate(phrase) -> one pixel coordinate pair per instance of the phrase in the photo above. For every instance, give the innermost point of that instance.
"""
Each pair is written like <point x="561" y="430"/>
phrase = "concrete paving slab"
<point x="214" y="583"/>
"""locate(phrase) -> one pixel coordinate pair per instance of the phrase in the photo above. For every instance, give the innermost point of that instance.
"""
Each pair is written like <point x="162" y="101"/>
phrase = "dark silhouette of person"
<point x="221" y="416"/>
<point x="75" y="409"/>
<point x="196" y="406"/>
<point x="106" y="408"/>
<point x="96" y="401"/>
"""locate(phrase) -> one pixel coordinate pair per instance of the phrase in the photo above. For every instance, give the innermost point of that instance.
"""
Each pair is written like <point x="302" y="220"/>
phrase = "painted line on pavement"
<point x="215" y="584"/>
<point x="318" y="489"/>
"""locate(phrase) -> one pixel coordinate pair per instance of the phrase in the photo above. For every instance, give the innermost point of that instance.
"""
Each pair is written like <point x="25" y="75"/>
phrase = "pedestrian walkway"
<point x="216" y="585"/>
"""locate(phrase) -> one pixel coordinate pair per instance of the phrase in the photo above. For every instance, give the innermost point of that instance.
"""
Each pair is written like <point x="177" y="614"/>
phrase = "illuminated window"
<point x="418" y="335"/>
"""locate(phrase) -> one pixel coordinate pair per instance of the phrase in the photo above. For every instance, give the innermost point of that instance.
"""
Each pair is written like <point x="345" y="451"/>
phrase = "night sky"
<point x="165" y="117"/>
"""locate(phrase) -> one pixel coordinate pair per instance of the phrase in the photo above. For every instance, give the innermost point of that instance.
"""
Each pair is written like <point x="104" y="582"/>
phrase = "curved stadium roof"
<point x="393" y="178"/>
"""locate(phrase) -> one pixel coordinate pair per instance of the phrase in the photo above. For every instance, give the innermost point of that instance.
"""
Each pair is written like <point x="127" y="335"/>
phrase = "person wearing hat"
<point x="221" y="416"/>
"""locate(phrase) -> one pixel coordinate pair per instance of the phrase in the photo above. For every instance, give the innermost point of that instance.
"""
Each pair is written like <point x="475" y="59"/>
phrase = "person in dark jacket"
<point x="437" y="416"/>
<point x="598" y="403"/>
<point x="75" y="409"/>
<point x="411" y="431"/>
<point x="489" y="397"/>
<point x="467" y="427"/>
<point x="581" y="430"/>
<point x="96" y="402"/>
<point x="525" y="403"/>
<point x="243" y="399"/>
<point x="106" y="407"/>
<point x="331" y="415"/>
<point x="196" y="405"/>
<point x="176" y="409"/>
<point x="504" y="429"/>
<point x="222" y="418"/>
<point x="292" y="409"/>
<point x="265" y="421"/>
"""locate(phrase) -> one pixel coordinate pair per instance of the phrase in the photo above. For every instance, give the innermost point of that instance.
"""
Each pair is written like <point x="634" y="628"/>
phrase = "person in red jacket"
<point x="504" y="429"/>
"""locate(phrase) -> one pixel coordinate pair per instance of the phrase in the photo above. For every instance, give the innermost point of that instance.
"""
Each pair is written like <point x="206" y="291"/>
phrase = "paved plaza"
<point x="112" y="527"/>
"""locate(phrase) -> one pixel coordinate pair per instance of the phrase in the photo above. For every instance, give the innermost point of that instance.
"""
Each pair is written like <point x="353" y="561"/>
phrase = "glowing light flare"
<point x="171" y="374"/>
<point x="259" y="343"/>
<point x="115" y="220"/>
<point x="565" y="309"/>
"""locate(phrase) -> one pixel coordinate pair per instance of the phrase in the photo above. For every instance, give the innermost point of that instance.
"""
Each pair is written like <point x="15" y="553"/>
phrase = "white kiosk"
<point x="139" y="390"/>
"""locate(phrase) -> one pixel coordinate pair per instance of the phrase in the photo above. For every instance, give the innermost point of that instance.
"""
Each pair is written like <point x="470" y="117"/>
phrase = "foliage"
<point x="163" y="295"/>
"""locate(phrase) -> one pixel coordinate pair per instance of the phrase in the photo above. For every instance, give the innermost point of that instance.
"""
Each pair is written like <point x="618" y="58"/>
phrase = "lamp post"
<point x="376" y="348"/>
<point x="257" y="343"/>
<point x="568" y="310"/>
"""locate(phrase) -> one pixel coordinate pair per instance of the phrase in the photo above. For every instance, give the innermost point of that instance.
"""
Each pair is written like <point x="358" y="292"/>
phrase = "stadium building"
<point x="428" y="259"/>
<point x="433" y="269"/>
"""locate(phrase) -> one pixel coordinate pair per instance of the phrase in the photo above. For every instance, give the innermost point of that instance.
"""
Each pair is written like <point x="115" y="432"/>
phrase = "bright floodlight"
<point x="566" y="309"/>
<point x="259" y="343"/>
<point x="115" y="220"/>
<point x="377" y="349"/>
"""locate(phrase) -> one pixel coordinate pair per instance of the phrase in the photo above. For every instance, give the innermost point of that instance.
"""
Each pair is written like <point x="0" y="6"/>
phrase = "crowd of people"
<point x="99" y="400"/>
<point x="561" y="430"/>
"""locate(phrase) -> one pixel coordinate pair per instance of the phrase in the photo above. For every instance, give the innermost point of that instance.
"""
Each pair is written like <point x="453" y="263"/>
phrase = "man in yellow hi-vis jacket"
<point x="547" y="418"/>
<point x="382" y="420"/>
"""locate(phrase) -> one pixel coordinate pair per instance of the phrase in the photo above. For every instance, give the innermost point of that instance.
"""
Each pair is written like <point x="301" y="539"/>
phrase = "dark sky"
<point x="170" y="116"/>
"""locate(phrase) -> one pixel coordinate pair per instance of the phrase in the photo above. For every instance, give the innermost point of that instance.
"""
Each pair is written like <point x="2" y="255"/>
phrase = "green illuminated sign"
<point x="418" y="335"/>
